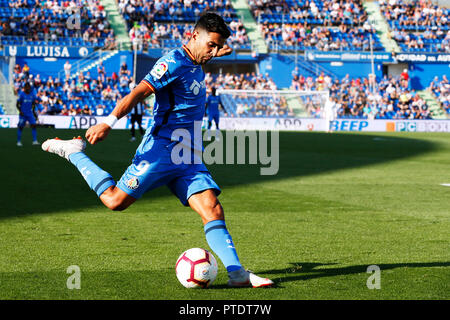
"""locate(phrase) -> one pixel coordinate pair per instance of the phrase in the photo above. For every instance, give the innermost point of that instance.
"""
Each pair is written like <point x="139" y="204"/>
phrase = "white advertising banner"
<point x="283" y="124"/>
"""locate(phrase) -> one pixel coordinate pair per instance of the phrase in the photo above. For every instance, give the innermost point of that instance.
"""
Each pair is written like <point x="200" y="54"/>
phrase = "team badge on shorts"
<point x="159" y="70"/>
<point x="132" y="183"/>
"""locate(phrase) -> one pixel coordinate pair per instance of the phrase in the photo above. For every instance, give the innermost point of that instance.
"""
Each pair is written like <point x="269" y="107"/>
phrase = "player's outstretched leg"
<point x="64" y="148"/>
<point x="97" y="179"/>
<point x="207" y="205"/>
<point x="246" y="278"/>
<point x="100" y="181"/>
<point x="34" y="135"/>
<point x="20" y="127"/>
<point x="133" y="137"/>
<point x="19" y="136"/>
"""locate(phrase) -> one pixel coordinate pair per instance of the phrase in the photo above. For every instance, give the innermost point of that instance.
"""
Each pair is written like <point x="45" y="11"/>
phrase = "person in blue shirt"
<point x="212" y="108"/>
<point x="26" y="103"/>
<point x="178" y="82"/>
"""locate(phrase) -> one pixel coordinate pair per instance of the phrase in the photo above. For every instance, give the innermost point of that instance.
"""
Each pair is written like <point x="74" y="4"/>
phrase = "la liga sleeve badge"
<point x="159" y="70"/>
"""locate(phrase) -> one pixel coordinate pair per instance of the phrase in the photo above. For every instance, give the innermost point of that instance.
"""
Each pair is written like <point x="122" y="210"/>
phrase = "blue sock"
<point x="34" y="134"/>
<point x="19" y="135"/>
<point x="220" y="242"/>
<point x="97" y="179"/>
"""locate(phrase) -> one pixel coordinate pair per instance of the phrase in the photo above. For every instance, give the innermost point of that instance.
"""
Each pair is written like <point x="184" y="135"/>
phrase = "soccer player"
<point x="136" y="117"/>
<point x="330" y="113"/>
<point x="26" y="104"/>
<point x="212" y="107"/>
<point x="177" y="79"/>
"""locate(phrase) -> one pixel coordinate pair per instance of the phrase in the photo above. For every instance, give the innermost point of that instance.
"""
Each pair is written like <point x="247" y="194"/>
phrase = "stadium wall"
<point x="353" y="69"/>
<point x="423" y="73"/>
<point x="288" y="124"/>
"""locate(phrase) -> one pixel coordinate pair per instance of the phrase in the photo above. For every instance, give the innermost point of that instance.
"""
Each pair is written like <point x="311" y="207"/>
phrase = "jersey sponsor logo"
<point x="159" y="70"/>
<point x="132" y="183"/>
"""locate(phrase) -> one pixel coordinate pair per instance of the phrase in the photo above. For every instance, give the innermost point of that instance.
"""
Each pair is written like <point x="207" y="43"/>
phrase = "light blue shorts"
<point x="152" y="167"/>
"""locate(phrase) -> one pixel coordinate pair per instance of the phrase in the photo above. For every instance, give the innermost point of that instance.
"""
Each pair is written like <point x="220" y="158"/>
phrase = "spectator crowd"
<point x="84" y="95"/>
<point x="418" y="25"/>
<point x="56" y="22"/>
<point x="441" y="89"/>
<point x="388" y="98"/>
<point x="324" y="12"/>
<point x="326" y="25"/>
<point x="169" y="24"/>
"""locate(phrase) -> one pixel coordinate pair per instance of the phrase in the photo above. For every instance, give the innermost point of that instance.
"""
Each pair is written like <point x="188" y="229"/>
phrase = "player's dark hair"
<point x="212" y="22"/>
<point x="213" y="91"/>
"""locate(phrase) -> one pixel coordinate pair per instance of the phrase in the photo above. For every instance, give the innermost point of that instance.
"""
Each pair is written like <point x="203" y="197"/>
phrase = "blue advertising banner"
<point x="319" y="56"/>
<point x="423" y="57"/>
<point x="323" y="56"/>
<point x="46" y="51"/>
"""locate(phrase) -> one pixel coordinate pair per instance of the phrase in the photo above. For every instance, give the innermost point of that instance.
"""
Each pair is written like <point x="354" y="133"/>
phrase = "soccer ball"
<point x="196" y="268"/>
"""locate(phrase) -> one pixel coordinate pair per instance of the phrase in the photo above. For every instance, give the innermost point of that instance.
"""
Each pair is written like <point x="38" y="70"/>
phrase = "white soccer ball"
<point x="196" y="268"/>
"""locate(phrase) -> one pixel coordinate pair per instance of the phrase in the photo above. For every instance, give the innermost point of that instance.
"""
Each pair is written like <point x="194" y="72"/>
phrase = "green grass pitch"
<point x="339" y="203"/>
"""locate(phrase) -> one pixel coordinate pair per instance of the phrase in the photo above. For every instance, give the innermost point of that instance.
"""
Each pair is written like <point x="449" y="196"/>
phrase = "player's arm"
<point x="33" y="109"/>
<point x="100" y="131"/>
<point x="224" y="51"/>
<point x="18" y="107"/>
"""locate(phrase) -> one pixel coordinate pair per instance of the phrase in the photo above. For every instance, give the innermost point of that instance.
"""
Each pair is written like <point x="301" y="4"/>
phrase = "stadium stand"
<point x="441" y="89"/>
<point x="83" y="95"/>
<point x="320" y="25"/>
<point x="389" y="98"/>
<point x="159" y="24"/>
<point x="381" y="26"/>
<point x="418" y="26"/>
<point x="60" y="23"/>
<point x="244" y="105"/>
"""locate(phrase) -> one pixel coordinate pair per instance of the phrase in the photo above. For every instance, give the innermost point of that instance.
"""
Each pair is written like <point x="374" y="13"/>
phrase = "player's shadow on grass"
<point x="38" y="182"/>
<point x="311" y="153"/>
<point x="308" y="270"/>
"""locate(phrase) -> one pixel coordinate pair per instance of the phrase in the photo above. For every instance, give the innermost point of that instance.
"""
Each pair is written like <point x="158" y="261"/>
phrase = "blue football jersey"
<point x="26" y="102"/>
<point x="180" y="91"/>
<point x="213" y="104"/>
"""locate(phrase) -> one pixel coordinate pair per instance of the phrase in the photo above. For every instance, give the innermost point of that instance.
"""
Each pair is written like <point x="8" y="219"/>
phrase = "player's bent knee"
<point x="117" y="205"/>
<point x="215" y="212"/>
<point x="116" y="200"/>
<point x="114" y="205"/>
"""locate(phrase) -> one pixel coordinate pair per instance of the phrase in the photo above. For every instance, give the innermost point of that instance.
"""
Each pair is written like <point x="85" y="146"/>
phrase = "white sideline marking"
<point x="384" y="139"/>
<point x="445" y="184"/>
